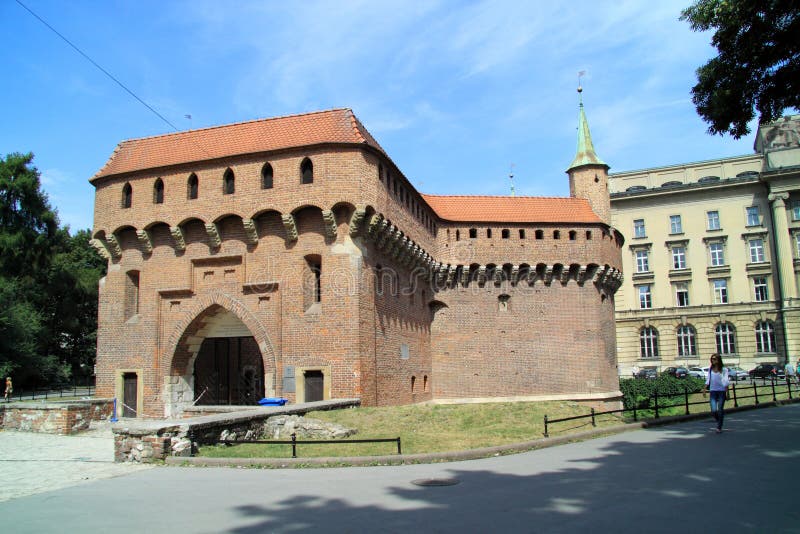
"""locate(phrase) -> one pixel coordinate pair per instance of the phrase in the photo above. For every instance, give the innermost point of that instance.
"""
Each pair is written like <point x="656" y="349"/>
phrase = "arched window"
<point x="306" y="172"/>
<point x="131" y="294"/>
<point x="158" y="192"/>
<point x="648" y="342"/>
<point x="127" y="196"/>
<point x="413" y="383"/>
<point x="473" y="233"/>
<point x="539" y="234"/>
<point x="522" y="233"/>
<point x="191" y="187"/>
<point x="228" y="183"/>
<point x="505" y="233"/>
<point x="572" y="235"/>
<point x="425" y="383"/>
<point x="266" y="176"/>
<point x="765" y="337"/>
<point x="726" y="338"/>
<point x="687" y="345"/>
<point x="556" y="234"/>
<point x="502" y="302"/>
<point x="489" y="233"/>
<point x="588" y="235"/>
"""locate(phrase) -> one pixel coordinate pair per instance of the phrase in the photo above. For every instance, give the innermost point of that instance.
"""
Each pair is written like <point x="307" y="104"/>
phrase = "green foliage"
<point x="48" y="285"/>
<point x="641" y="392"/>
<point x="757" y="66"/>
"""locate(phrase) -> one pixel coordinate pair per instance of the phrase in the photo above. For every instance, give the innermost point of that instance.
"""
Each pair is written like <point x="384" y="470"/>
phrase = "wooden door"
<point x="130" y="386"/>
<point x="314" y="385"/>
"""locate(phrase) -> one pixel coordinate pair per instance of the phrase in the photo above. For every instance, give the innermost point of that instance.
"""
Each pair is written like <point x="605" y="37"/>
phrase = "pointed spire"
<point x="585" y="154"/>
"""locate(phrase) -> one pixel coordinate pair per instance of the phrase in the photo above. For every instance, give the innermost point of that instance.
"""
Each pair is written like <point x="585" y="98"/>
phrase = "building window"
<point x="638" y="228"/>
<point x="713" y="220"/>
<point x="720" y="291"/>
<point x="502" y="302"/>
<point x="505" y="233"/>
<point x="307" y="173"/>
<point x="458" y="235"/>
<point x="556" y="234"/>
<point x="191" y="187"/>
<point x="753" y="218"/>
<point x="642" y="261"/>
<point x="573" y="235"/>
<point x="717" y="252"/>
<point x="312" y="281"/>
<point x="521" y="233"/>
<point x="682" y="294"/>
<point x="266" y="176"/>
<point x="645" y="297"/>
<point x="588" y="235"/>
<point x="489" y="233"/>
<point x="686" y="341"/>
<point x="380" y="172"/>
<point x="796" y="210"/>
<point x="760" y="289"/>
<point x="756" y="250"/>
<point x="127" y="196"/>
<point x="726" y="338"/>
<point x="539" y="234"/>
<point x="797" y="244"/>
<point x="765" y="337"/>
<point x="678" y="257"/>
<point x="473" y="233"/>
<point x="675" y="226"/>
<point x="228" y="183"/>
<point x="648" y="342"/>
<point x="158" y="192"/>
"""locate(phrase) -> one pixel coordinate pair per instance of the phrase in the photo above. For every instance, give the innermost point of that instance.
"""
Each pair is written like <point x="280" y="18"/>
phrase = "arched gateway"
<point x="220" y="358"/>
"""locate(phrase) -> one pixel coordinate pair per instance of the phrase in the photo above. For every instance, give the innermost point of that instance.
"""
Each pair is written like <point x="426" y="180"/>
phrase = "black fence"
<point x="769" y="390"/>
<point x="294" y="442"/>
<point x="52" y="393"/>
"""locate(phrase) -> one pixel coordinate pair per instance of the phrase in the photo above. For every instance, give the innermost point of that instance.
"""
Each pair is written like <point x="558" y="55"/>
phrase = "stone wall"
<point x="55" y="417"/>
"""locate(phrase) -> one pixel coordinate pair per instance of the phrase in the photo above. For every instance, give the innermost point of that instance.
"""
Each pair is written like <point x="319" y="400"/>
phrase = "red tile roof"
<point x="331" y="126"/>
<point x="512" y="209"/>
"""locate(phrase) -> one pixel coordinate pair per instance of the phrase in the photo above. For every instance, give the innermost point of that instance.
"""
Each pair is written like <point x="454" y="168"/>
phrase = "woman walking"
<point x="717" y="383"/>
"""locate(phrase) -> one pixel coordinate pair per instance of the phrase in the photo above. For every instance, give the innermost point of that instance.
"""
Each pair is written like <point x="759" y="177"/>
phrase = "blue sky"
<point x="455" y="92"/>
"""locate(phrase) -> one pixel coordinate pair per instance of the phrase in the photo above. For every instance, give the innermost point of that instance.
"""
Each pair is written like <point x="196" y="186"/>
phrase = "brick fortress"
<point x="291" y="257"/>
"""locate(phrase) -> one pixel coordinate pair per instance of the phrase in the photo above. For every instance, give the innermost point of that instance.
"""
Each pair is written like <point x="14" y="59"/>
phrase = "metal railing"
<point x="294" y="442"/>
<point x="51" y="393"/>
<point x="732" y="394"/>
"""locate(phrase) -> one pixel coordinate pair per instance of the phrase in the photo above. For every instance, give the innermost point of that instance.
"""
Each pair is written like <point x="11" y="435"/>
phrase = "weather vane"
<point x="511" y="178"/>
<point x="581" y="73"/>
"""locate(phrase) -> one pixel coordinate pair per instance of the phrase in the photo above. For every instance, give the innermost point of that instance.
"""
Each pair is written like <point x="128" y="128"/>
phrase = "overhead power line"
<point x="93" y="62"/>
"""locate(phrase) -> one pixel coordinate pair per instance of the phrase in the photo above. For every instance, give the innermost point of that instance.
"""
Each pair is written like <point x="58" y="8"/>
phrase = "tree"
<point x="757" y="66"/>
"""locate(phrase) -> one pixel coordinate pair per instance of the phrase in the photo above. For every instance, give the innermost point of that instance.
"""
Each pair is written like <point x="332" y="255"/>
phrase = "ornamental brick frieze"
<point x="291" y="227"/>
<point x="329" y="222"/>
<point x="145" y="240"/>
<point x="250" y="232"/>
<point x="177" y="237"/>
<point x="214" y="238"/>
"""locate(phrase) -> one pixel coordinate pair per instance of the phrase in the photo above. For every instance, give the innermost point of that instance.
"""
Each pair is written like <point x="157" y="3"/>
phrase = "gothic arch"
<point x="192" y="321"/>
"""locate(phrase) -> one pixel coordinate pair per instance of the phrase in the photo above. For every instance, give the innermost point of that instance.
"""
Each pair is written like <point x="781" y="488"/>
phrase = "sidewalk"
<point x="33" y="463"/>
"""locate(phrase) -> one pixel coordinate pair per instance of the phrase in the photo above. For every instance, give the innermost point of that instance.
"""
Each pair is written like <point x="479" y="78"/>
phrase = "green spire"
<point x="585" y="154"/>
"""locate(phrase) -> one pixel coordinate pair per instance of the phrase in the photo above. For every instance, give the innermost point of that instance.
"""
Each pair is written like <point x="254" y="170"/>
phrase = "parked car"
<point x="737" y="374"/>
<point x="698" y="372"/>
<point x="767" y="370"/>
<point x="649" y="374"/>
<point x="677" y="372"/>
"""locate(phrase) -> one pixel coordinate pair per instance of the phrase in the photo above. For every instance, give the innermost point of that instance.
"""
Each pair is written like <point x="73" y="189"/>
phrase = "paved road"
<point x="656" y="480"/>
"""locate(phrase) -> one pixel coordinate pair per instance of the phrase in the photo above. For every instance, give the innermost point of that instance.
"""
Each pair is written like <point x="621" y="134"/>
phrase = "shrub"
<point x="641" y="392"/>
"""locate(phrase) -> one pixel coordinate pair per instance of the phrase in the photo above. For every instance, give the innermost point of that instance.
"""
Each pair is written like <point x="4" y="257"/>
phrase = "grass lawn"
<point x="430" y="428"/>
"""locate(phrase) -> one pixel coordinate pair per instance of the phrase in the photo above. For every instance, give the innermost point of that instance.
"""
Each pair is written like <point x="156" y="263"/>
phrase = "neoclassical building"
<point x="712" y="257"/>
<point x="291" y="257"/>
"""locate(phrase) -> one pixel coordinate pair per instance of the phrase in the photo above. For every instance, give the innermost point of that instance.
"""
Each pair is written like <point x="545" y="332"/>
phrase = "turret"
<point x="588" y="174"/>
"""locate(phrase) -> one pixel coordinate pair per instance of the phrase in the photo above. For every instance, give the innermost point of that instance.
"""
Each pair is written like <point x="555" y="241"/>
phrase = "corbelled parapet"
<point x="101" y="248"/>
<point x="329" y="222"/>
<point x="250" y="232"/>
<point x="177" y="236"/>
<point x="357" y="219"/>
<point x="145" y="240"/>
<point x="214" y="238"/>
<point x="291" y="227"/>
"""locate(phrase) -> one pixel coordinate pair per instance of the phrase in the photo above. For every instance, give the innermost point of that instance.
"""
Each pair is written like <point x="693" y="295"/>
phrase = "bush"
<point x="641" y="392"/>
